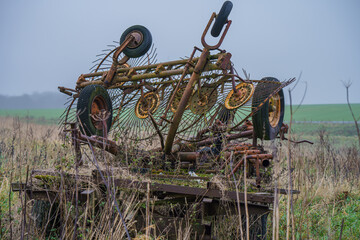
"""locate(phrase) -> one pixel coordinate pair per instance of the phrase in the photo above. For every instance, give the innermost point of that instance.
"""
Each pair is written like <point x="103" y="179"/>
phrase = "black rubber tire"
<point x="261" y="123"/>
<point x="221" y="18"/>
<point x="144" y="45"/>
<point x="85" y="100"/>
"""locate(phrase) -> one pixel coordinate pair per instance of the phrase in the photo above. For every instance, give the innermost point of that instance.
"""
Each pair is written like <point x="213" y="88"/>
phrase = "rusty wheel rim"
<point x="138" y="39"/>
<point x="147" y="104"/>
<point x="274" y="110"/>
<point x="236" y="100"/>
<point x="203" y="101"/>
<point x="98" y="106"/>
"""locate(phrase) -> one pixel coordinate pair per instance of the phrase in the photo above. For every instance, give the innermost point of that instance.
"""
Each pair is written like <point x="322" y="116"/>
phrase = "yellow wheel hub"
<point x="202" y="101"/>
<point x="147" y="104"/>
<point x="237" y="99"/>
<point x="274" y="110"/>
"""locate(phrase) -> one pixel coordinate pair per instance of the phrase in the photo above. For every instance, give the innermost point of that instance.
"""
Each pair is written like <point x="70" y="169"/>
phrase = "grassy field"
<point x="305" y="120"/>
<point x="326" y="175"/>
<point x="47" y="116"/>
<point x="324" y="112"/>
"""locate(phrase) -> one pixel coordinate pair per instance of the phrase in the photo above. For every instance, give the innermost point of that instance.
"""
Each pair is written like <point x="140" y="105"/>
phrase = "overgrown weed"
<point x="326" y="175"/>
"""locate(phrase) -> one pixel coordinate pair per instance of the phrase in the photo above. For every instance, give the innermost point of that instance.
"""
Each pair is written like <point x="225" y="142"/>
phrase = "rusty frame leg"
<point x="75" y="142"/>
<point x="184" y="100"/>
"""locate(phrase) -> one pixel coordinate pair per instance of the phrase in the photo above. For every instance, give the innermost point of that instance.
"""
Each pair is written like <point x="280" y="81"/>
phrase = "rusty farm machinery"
<point x="195" y="114"/>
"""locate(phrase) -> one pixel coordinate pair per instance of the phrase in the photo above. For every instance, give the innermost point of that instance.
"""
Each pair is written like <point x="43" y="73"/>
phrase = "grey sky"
<point x="47" y="43"/>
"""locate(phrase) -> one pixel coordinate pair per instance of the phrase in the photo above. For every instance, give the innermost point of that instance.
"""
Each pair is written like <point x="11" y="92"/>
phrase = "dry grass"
<point x="327" y="176"/>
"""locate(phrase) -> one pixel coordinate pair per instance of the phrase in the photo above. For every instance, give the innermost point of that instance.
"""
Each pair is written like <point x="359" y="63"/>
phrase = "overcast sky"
<point x="47" y="43"/>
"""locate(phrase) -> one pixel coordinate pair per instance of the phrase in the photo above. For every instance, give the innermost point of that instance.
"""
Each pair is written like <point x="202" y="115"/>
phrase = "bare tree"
<point x="347" y="85"/>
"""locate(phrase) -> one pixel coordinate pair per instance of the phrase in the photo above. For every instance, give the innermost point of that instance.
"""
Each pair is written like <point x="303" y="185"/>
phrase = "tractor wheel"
<point x="221" y="18"/>
<point x="268" y="119"/>
<point x="142" y="43"/>
<point x="94" y="108"/>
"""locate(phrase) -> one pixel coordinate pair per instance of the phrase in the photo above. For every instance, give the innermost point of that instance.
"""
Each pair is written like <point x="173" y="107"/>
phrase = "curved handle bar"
<point x="203" y="42"/>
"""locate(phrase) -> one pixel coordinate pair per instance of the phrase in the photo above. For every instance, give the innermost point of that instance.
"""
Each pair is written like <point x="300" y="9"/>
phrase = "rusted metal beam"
<point x="146" y="67"/>
<point x="196" y="72"/>
<point x="138" y="77"/>
<point x="194" y="191"/>
<point x="229" y="137"/>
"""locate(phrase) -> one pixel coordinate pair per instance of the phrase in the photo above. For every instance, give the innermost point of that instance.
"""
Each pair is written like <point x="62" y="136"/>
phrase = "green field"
<point x="336" y="113"/>
<point x="324" y="112"/>
<point x="41" y="116"/>
<point x="48" y="114"/>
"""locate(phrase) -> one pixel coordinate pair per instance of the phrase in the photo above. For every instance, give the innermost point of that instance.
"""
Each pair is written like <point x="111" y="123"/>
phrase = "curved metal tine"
<point x="146" y="57"/>
<point x="143" y="60"/>
<point x="247" y="76"/>
<point x="148" y="126"/>
<point x="131" y="62"/>
<point x="68" y="100"/>
<point x="153" y="53"/>
<point x="105" y="67"/>
<point x="136" y="61"/>
<point x="93" y="67"/>
<point x="101" y="54"/>
<point x="99" y="59"/>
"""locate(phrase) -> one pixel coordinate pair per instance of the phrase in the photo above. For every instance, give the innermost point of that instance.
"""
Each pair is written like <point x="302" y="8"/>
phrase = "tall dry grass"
<point x="326" y="175"/>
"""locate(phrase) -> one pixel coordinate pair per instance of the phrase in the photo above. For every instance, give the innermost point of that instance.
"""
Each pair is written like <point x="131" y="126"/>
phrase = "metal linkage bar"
<point x="195" y="191"/>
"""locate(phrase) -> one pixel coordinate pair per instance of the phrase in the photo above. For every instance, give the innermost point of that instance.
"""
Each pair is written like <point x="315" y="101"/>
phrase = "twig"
<point x="341" y="230"/>
<point x="76" y="199"/>
<point x="10" y="218"/>
<point x="246" y="204"/>
<point x="24" y="212"/>
<point x="347" y="85"/>
<point x="276" y="196"/>
<point x="290" y="196"/>
<point x="0" y="224"/>
<point x="237" y="195"/>
<point x="111" y="193"/>
<point x="148" y="211"/>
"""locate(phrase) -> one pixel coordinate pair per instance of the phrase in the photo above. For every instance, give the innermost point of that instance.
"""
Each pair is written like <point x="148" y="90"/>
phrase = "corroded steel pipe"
<point x="102" y="143"/>
<point x="146" y="67"/>
<point x="263" y="162"/>
<point x="256" y="159"/>
<point x="185" y="99"/>
<point x="138" y="77"/>
<point x="260" y="156"/>
<point x="226" y="138"/>
<point x="188" y="156"/>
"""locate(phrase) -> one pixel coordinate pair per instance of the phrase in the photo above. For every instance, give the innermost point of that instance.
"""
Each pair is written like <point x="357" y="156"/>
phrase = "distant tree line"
<point x="35" y="100"/>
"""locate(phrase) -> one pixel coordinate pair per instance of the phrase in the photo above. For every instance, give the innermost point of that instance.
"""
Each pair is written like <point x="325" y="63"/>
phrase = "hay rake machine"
<point x="199" y="113"/>
<point x="191" y="108"/>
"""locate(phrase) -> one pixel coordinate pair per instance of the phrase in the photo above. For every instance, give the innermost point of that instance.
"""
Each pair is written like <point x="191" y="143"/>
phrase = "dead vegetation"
<point x="327" y="206"/>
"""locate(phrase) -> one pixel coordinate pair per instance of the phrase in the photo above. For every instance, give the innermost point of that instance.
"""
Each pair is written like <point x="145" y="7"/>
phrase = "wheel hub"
<point x="201" y="102"/>
<point x="237" y="99"/>
<point x="274" y="110"/>
<point x="138" y="38"/>
<point x="147" y="104"/>
<point x="98" y="108"/>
